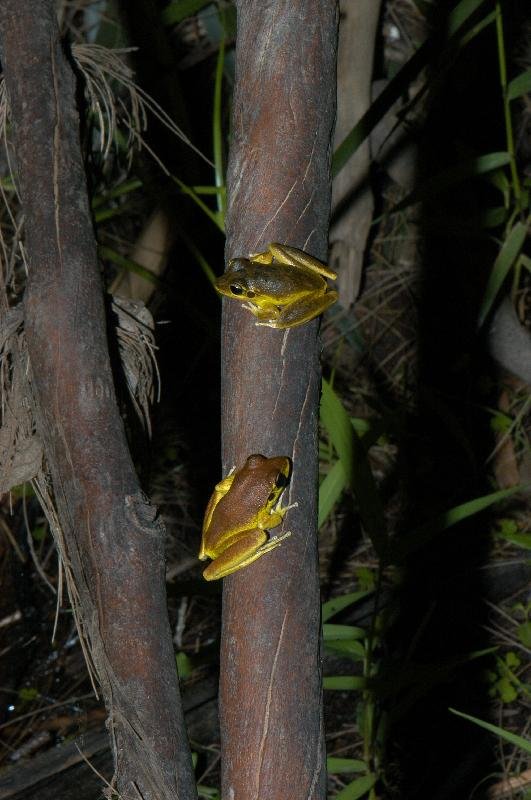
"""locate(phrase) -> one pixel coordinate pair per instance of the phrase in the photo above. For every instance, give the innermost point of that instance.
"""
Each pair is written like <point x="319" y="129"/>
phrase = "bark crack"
<point x="265" y="728"/>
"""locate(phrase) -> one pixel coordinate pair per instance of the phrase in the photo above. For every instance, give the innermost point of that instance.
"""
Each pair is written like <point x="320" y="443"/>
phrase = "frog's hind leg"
<point x="294" y="257"/>
<point x="303" y="310"/>
<point x="254" y="544"/>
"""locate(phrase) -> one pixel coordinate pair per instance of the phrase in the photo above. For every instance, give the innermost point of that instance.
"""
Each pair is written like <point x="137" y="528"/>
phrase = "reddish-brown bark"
<point x="113" y="539"/>
<point x="278" y="190"/>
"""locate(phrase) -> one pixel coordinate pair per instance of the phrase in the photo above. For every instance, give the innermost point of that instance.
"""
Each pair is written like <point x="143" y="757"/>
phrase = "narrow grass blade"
<point x="198" y="255"/>
<point x="344" y="683"/>
<point x="217" y="132"/>
<point x="332" y="607"/>
<point x="124" y="188"/>
<point x="460" y="14"/>
<point x="519" y="85"/>
<point x="342" y="632"/>
<point x="330" y="491"/>
<point x="505" y="260"/>
<point x="420" y="536"/>
<point x="128" y="264"/>
<point x="379" y="108"/>
<point x="357" y="788"/>
<point x="212" y="215"/>
<point x="347" y="648"/>
<point x="345" y="765"/>
<point x="458" y="17"/>
<point x="354" y="460"/>
<point x="452" y="176"/>
<point x="519" y="539"/>
<point x="512" y="738"/>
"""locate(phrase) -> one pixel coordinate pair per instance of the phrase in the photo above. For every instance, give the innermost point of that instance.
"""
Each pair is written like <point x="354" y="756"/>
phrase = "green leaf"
<point x="512" y="738"/>
<point x="330" y="491"/>
<point x="420" y="536"/>
<point x="180" y="9"/>
<point x="27" y="694"/>
<point x="342" y="632"/>
<point x="344" y="765"/>
<point x="128" y="264"/>
<point x="184" y="665"/>
<point x="208" y="791"/>
<point x="346" y="647"/>
<point x="523" y="632"/>
<point x="344" y="683"/>
<point x="460" y="14"/>
<point x="471" y="167"/>
<point x="39" y="533"/>
<point x="357" y="788"/>
<point x="519" y="539"/>
<point x="396" y="87"/>
<point x="493" y="217"/>
<point x="337" y="604"/>
<point x="214" y="216"/>
<point x="123" y="188"/>
<point x="379" y="108"/>
<point x="504" y="261"/>
<point x="506" y="690"/>
<point x="519" y="85"/>
<point x="353" y="458"/>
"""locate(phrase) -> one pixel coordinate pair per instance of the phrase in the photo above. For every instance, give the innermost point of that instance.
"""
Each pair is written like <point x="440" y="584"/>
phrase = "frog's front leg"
<point x="266" y="313"/>
<point x="302" y="311"/>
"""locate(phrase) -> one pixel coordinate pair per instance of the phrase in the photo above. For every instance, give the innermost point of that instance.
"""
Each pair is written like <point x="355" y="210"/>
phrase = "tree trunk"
<point x="112" y="540"/>
<point x="278" y="190"/>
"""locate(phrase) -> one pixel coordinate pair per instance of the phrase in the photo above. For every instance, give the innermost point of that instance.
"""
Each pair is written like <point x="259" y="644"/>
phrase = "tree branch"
<point x="112" y="539"/>
<point x="278" y="190"/>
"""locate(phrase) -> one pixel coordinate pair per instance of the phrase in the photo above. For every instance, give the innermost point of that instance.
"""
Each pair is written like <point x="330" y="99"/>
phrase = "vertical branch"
<point x="112" y="539"/>
<point x="279" y="190"/>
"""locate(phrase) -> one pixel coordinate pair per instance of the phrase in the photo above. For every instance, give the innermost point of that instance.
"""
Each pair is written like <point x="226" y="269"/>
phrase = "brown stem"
<point x="112" y="539"/>
<point x="278" y="190"/>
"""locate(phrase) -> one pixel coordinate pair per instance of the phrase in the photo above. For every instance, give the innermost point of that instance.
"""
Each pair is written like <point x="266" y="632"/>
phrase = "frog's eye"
<point x="281" y="481"/>
<point x="236" y="289"/>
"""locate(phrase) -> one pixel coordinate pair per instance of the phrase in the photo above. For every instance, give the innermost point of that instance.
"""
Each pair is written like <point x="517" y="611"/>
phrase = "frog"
<point x="282" y="286"/>
<point x="243" y="507"/>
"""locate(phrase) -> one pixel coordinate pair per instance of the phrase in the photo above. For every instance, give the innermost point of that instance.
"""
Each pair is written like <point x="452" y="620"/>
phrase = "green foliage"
<point x="28" y="694"/>
<point x="512" y="738"/>
<point x="178" y="10"/>
<point x="457" y="20"/>
<point x="425" y="533"/>
<point x="184" y="665"/>
<point x="505" y="261"/>
<point x="508" y="529"/>
<point x="357" y="788"/>
<point x="345" y="765"/>
<point x="355" y="466"/>
<point x="503" y="682"/>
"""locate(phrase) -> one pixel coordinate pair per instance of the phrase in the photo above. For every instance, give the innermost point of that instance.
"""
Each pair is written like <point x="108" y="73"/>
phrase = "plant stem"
<point x="506" y="107"/>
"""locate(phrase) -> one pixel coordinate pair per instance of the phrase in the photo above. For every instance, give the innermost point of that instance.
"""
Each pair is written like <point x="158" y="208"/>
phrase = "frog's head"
<point x="272" y="475"/>
<point x="235" y="281"/>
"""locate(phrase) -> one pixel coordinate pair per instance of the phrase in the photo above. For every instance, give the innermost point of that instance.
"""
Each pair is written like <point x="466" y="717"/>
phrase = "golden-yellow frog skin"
<point x="282" y="286"/>
<point x="242" y="508"/>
